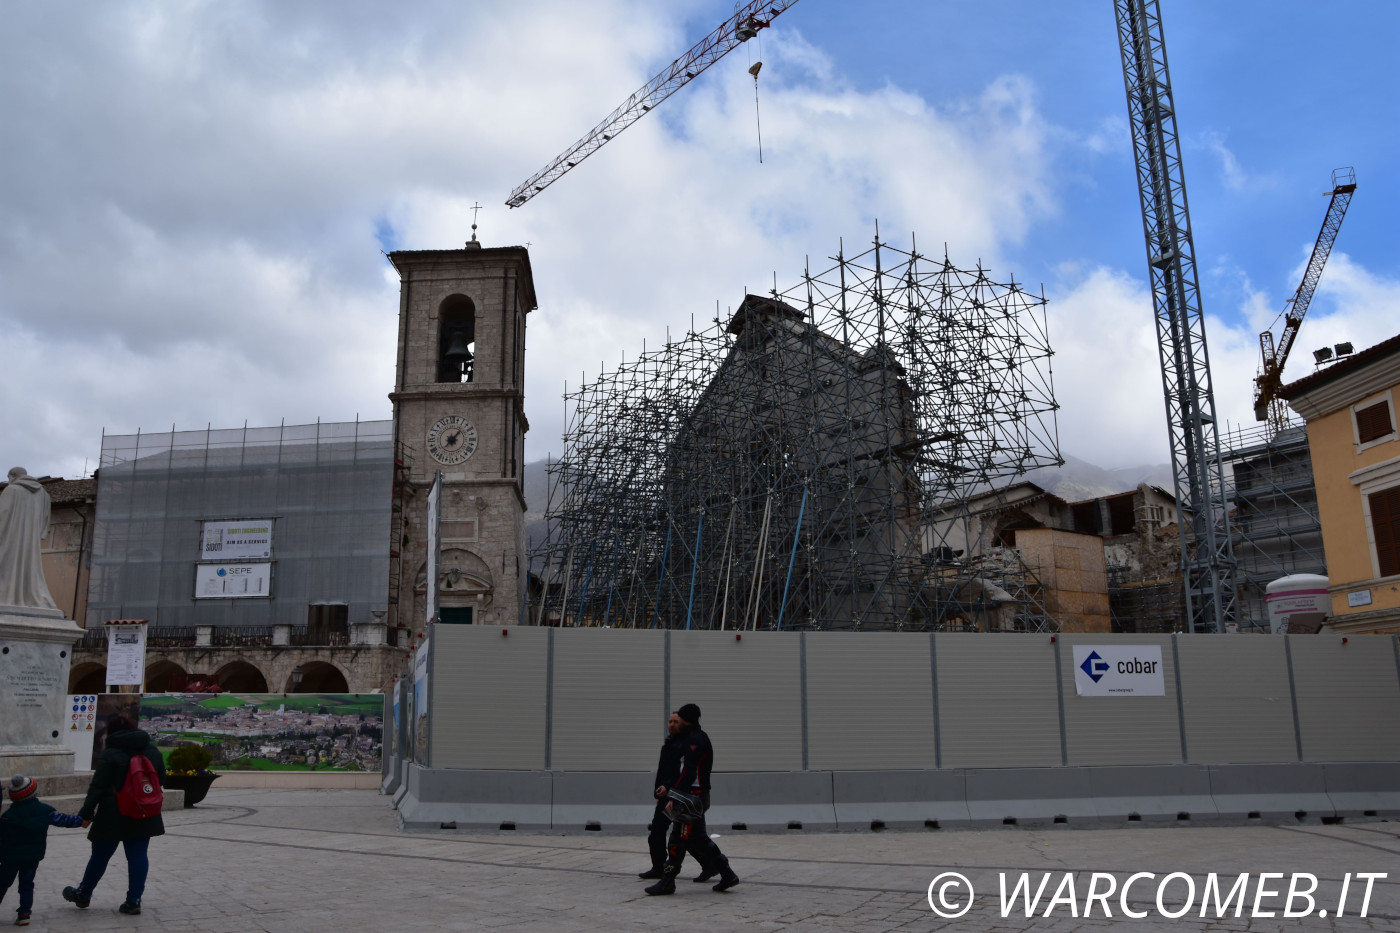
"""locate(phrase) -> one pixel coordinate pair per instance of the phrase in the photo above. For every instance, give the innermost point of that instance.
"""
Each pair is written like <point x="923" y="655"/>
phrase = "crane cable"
<point x="754" y="68"/>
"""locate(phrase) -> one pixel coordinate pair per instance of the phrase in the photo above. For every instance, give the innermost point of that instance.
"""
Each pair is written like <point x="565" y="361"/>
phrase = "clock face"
<point x="452" y="440"/>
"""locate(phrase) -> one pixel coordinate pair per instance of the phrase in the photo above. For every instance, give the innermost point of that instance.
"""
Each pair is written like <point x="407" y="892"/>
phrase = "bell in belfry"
<point x="459" y="348"/>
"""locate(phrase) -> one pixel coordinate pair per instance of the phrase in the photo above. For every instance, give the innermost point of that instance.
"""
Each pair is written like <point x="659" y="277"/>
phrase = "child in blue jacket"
<point x="24" y="830"/>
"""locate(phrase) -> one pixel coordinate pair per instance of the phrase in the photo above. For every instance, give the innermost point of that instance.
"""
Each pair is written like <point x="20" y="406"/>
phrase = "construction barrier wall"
<point x="561" y="727"/>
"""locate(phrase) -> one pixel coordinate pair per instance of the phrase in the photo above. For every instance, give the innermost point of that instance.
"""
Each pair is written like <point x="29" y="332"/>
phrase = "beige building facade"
<point x="1350" y="410"/>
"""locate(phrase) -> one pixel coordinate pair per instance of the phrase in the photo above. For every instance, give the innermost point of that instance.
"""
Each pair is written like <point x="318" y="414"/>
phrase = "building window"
<point x="1385" y="526"/>
<point x="1373" y="422"/>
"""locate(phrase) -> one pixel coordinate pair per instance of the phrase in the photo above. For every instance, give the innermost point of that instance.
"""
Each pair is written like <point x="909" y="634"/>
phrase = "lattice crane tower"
<point x="1207" y="557"/>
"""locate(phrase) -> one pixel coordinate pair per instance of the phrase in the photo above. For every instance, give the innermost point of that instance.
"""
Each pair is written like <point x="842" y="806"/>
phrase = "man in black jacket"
<point x="693" y="779"/>
<point x="667" y="767"/>
<point x="110" y="827"/>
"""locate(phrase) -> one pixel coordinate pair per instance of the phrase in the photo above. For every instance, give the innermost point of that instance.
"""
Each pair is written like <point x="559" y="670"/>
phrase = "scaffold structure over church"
<point x="801" y="465"/>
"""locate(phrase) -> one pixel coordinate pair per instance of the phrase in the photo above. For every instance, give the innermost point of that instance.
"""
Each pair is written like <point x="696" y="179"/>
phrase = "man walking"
<point x="667" y="767"/>
<point x="689" y="799"/>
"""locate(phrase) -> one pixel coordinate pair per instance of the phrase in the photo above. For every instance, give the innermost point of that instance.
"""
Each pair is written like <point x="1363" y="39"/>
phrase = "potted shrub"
<point x="187" y="769"/>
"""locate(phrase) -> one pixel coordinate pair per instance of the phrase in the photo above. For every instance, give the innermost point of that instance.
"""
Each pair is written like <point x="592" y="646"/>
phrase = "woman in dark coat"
<point x="109" y="827"/>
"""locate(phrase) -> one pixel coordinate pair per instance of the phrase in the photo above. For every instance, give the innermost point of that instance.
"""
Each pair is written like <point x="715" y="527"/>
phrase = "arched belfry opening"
<point x="456" y="339"/>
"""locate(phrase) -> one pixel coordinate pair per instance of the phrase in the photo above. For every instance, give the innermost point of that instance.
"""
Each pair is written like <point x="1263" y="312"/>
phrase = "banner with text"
<point x="241" y="540"/>
<point x="232" y="581"/>
<point x="1118" y="670"/>
<point x="126" y="655"/>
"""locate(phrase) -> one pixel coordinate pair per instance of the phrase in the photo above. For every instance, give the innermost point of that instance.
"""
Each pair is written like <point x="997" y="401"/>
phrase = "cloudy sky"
<point x="194" y="195"/>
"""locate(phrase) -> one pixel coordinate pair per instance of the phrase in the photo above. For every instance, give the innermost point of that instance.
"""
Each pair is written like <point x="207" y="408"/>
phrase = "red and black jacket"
<point x="697" y="757"/>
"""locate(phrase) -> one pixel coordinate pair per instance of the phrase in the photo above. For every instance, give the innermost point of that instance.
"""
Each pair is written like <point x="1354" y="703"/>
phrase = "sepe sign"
<point x="232" y="581"/>
<point x="1118" y="671"/>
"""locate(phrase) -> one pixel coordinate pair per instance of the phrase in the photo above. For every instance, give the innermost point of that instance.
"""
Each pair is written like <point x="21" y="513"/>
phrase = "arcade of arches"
<point x="251" y="670"/>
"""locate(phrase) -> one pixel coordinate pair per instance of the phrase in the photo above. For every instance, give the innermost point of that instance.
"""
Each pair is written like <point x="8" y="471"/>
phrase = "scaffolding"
<point x="807" y="463"/>
<point x="1274" y="520"/>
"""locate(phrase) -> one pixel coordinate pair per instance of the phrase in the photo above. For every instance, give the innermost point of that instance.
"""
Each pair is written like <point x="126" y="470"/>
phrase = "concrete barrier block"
<point x="899" y="799"/>
<point x="1270" y="793"/>
<point x="1152" y="794"/>
<point x="475" y="799"/>
<point x="1029" y="796"/>
<point x="772" y="800"/>
<point x="611" y="800"/>
<point x="1364" y="790"/>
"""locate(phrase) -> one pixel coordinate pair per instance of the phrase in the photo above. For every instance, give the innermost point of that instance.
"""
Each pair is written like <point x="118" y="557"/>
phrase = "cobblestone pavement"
<point x="272" y="860"/>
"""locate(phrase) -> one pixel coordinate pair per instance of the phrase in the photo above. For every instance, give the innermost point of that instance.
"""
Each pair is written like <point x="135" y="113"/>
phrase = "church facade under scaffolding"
<point x="803" y="464"/>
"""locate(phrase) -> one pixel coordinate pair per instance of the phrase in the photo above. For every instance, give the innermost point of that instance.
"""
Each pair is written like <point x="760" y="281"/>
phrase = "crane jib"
<point x="733" y="32"/>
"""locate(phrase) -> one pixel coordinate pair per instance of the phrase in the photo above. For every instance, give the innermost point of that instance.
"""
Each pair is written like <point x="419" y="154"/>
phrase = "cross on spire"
<point x="475" y="208"/>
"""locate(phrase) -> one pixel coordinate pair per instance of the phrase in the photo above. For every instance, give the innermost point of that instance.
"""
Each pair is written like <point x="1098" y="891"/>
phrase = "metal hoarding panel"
<point x="609" y="699"/>
<point x="488" y="702"/>
<point x="869" y="701"/>
<point x="1120" y="730"/>
<point x="997" y="702"/>
<point x="1235" y="699"/>
<point x="749" y="692"/>
<point x="1348" y="697"/>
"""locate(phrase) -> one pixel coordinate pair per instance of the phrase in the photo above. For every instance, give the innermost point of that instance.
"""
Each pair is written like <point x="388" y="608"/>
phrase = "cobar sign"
<point x="1118" y="671"/>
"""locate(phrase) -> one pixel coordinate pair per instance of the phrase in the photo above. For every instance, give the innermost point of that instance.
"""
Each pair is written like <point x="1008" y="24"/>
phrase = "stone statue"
<point x="24" y="521"/>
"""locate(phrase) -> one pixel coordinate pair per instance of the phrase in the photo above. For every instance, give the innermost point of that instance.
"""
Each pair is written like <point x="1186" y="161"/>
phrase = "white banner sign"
<point x="126" y="655"/>
<point x="232" y="581"/>
<point x="241" y="540"/>
<point x="1118" y="671"/>
<point x="434" y="547"/>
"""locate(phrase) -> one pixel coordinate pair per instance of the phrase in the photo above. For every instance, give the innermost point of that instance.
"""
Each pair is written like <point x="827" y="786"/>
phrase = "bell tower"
<point x="458" y="407"/>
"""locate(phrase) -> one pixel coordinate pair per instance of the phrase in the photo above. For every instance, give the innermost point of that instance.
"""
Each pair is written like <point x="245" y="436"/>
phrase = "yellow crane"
<point x="1267" y="405"/>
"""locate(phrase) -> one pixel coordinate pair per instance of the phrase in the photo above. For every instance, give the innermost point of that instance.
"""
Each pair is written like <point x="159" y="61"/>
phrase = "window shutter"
<point x="1373" y="421"/>
<point x="1385" y="525"/>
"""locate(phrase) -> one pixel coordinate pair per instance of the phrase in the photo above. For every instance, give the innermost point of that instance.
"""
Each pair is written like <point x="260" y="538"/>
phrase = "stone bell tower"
<point x="458" y="407"/>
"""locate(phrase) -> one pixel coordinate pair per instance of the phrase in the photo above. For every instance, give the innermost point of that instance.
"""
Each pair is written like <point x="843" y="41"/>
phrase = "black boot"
<point x="727" y="879"/>
<point x="705" y="875"/>
<point x="667" y="884"/>
<point x="651" y="874"/>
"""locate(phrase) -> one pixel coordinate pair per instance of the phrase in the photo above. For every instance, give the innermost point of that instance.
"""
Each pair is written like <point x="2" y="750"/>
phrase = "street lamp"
<point x="297" y="674"/>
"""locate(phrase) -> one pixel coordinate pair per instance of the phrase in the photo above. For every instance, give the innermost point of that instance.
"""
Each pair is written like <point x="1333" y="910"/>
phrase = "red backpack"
<point x="140" y="797"/>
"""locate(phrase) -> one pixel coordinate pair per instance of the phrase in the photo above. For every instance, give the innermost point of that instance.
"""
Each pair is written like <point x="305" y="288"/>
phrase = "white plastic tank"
<point x="1298" y="604"/>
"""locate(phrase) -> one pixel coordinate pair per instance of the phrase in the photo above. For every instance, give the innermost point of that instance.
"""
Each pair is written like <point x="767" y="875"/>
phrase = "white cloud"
<point x="1107" y="375"/>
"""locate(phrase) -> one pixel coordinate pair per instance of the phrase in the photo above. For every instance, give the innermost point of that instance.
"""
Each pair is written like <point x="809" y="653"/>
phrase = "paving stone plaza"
<point x="308" y="861"/>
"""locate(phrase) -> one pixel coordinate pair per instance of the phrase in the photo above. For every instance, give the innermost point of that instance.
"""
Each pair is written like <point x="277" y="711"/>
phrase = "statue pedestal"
<point x="36" y="649"/>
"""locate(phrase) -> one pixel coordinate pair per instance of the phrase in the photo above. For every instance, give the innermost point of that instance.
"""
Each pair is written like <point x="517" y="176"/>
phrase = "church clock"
<point x="452" y="440"/>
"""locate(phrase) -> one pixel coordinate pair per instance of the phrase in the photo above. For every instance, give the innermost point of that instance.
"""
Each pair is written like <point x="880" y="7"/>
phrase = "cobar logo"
<point x="1095" y="666"/>
<point x="1118" y="670"/>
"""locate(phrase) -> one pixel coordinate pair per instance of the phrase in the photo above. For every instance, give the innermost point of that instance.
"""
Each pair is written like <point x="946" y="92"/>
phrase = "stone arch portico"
<point x="365" y="668"/>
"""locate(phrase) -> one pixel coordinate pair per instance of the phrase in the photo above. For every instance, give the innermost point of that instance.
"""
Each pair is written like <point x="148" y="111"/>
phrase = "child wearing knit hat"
<point x="24" y="829"/>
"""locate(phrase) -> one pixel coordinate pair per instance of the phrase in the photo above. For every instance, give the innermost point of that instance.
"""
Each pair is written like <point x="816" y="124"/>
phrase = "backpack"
<point x="140" y="797"/>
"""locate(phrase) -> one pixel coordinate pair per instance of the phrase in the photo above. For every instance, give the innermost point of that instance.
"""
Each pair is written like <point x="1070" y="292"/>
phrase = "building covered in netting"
<point x="803" y="464"/>
<point x="243" y="528"/>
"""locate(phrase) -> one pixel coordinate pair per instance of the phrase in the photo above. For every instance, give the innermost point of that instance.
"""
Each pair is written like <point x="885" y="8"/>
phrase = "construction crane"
<point x="1207" y="556"/>
<point x="733" y="32"/>
<point x="1267" y="405"/>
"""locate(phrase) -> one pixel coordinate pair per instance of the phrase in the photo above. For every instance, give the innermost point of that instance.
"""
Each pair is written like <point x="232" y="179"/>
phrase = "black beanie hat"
<point x="690" y="713"/>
